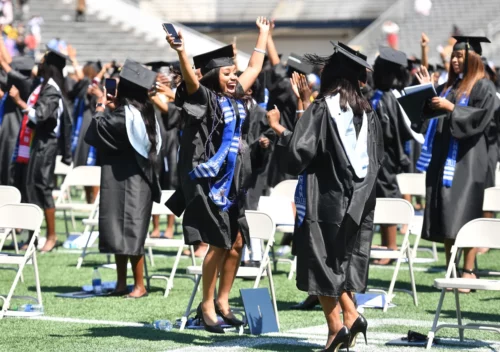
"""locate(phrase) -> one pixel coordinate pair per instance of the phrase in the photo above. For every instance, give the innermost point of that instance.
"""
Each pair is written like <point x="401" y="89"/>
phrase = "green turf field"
<point x="300" y="331"/>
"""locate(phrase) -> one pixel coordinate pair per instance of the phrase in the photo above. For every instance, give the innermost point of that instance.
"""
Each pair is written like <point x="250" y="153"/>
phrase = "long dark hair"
<point x="388" y="76"/>
<point x="339" y="76"/>
<point x="211" y="81"/>
<point x="48" y="71"/>
<point x="130" y="94"/>
<point x="473" y="73"/>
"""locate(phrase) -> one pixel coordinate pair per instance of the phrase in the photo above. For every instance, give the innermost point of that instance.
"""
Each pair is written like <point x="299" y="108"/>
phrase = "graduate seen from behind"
<point x="215" y="167"/>
<point x="127" y="137"/>
<point x="335" y="149"/>
<point x="45" y="132"/>
<point x="455" y="153"/>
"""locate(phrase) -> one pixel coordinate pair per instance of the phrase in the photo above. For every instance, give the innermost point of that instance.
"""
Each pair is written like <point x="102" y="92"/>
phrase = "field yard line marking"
<point x="91" y="321"/>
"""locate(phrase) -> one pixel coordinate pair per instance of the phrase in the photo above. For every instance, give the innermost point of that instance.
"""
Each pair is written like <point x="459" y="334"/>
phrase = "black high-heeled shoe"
<point x="359" y="326"/>
<point x="216" y="329"/>
<point x="229" y="321"/>
<point x="341" y="340"/>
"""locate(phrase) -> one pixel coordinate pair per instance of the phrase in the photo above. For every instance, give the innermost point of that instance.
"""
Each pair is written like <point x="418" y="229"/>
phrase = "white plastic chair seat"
<point x="285" y="228"/>
<point x="91" y="222"/>
<point x="12" y="259"/>
<point x="384" y="254"/>
<point x="243" y="271"/>
<point x="75" y="206"/>
<point x="163" y="243"/>
<point x="473" y="284"/>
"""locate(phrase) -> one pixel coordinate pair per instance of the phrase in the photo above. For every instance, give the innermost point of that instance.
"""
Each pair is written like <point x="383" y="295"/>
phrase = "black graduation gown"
<point x="46" y="146"/>
<point x="169" y="179"/>
<point x="12" y="118"/>
<point x="493" y="152"/>
<point x="257" y="126"/>
<point x="79" y="91"/>
<point x="448" y="209"/>
<point x="281" y="95"/>
<point x="129" y="185"/>
<point x="333" y="243"/>
<point x="395" y="158"/>
<point x="202" y="219"/>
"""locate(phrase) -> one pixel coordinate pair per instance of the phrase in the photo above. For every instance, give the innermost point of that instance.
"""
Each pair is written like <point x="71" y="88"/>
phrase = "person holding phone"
<point x="128" y="140"/>
<point x="335" y="149"/>
<point x="215" y="166"/>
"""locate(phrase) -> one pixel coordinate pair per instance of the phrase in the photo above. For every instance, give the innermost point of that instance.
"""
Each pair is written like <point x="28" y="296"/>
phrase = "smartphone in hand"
<point x="110" y="85"/>
<point x="169" y="28"/>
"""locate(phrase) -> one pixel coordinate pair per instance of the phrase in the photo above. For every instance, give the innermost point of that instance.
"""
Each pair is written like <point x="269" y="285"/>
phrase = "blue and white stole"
<point x="377" y="96"/>
<point x="78" y="110"/>
<point x="356" y="149"/>
<point x="227" y="152"/>
<point x="451" y="159"/>
<point x="263" y="104"/>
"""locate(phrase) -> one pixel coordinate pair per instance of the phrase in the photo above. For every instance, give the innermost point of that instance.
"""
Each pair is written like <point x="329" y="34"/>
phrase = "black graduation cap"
<point x="296" y="63"/>
<point x="137" y="74"/>
<point x="440" y="67"/>
<point x="487" y="67"/>
<point x="22" y="63"/>
<point x="97" y="65"/>
<point x="413" y="63"/>
<point x="431" y="68"/>
<point x="353" y="55"/>
<point x="470" y="43"/>
<point x="393" y="56"/>
<point x="156" y="66"/>
<point x="217" y="58"/>
<point x="56" y="58"/>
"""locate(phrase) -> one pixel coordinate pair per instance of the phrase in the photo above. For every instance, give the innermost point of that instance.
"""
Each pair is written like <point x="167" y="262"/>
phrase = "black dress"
<point x="395" y="159"/>
<point x="333" y="243"/>
<point x="281" y="94"/>
<point x="448" y="209"/>
<point x="129" y="185"/>
<point x="48" y="141"/>
<point x="203" y="220"/>
<point x="11" y="123"/>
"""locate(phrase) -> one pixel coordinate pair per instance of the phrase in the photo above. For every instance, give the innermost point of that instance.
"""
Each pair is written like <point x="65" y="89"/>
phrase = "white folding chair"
<point x="476" y="233"/>
<point x="61" y="169"/>
<point x="91" y="223"/>
<point x="161" y="209"/>
<point x="26" y="217"/>
<point x="497" y="175"/>
<point x="262" y="227"/>
<point x="9" y="195"/>
<point x="80" y="176"/>
<point x="414" y="185"/>
<point x="393" y="211"/>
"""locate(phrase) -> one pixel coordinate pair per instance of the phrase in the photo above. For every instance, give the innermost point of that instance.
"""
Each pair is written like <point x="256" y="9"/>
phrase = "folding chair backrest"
<point x="279" y="208"/>
<point x="21" y="216"/>
<point x="83" y="176"/>
<point x="261" y="225"/>
<point x="497" y="175"/>
<point x="160" y="208"/>
<point x="61" y="168"/>
<point x="285" y="189"/>
<point x="479" y="233"/>
<point x="491" y="200"/>
<point x="9" y="195"/>
<point x="393" y="211"/>
<point x="413" y="184"/>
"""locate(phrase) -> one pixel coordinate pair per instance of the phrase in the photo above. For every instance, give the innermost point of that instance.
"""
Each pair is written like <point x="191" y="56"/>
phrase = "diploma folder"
<point x="259" y="311"/>
<point x="416" y="104"/>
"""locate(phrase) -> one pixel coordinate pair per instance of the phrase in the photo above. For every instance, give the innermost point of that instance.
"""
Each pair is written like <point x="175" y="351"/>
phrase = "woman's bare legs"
<point x="137" y="262"/>
<point x="212" y="265"/>
<point x="349" y="312"/>
<point x="331" y="309"/>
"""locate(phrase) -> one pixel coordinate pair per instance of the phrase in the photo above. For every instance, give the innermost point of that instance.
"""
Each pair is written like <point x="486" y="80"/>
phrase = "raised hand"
<point x="294" y="80"/>
<point x="179" y="47"/>
<point x="423" y="75"/>
<point x="272" y="24"/>
<point x="424" y="40"/>
<point x="273" y="117"/>
<point x="71" y="53"/>
<point x="263" y="24"/>
<point x="304" y="89"/>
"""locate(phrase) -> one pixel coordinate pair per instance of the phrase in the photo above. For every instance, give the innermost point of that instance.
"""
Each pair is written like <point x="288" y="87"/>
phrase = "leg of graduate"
<point x="228" y="273"/>
<point x="388" y="233"/>
<point x="331" y="309"/>
<point x="137" y="262"/>
<point x="156" y="227"/>
<point x="212" y="265"/>
<point x="121" y="273"/>
<point x="349" y="312"/>
<point x="169" y="233"/>
<point x="50" y="219"/>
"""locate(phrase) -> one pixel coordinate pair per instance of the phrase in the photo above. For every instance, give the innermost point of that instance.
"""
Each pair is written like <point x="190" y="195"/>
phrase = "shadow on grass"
<point x="384" y="284"/>
<point x="475" y="316"/>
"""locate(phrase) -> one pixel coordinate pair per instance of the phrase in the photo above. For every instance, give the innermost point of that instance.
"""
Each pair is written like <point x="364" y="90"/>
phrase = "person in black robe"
<point x="335" y="196"/>
<point x="454" y="195"/>
<point x="18" y="75"/>
<point x="45" y="133"/>
<point x="128" y="141"/>
<point x="215" y="167"/>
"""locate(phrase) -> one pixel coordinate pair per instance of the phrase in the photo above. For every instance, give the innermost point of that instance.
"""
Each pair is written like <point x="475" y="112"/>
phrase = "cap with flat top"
<point x="56" y="58"/>
<point x="22" y="63"/>
<point x="156" y="66"/>
<point x="470" y="43"/>
<point x="297" y="64"/>
<point x="137" y="74"/>
<point x="393" y="56"/>
<point x="353" y="55"/>
<point x="217" y="58"/>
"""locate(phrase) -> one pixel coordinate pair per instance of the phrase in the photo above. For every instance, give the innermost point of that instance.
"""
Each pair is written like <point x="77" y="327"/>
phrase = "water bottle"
<point x="163" y="325"/>
<point x="31" y="308"/>
<point x="96" y="282"/>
